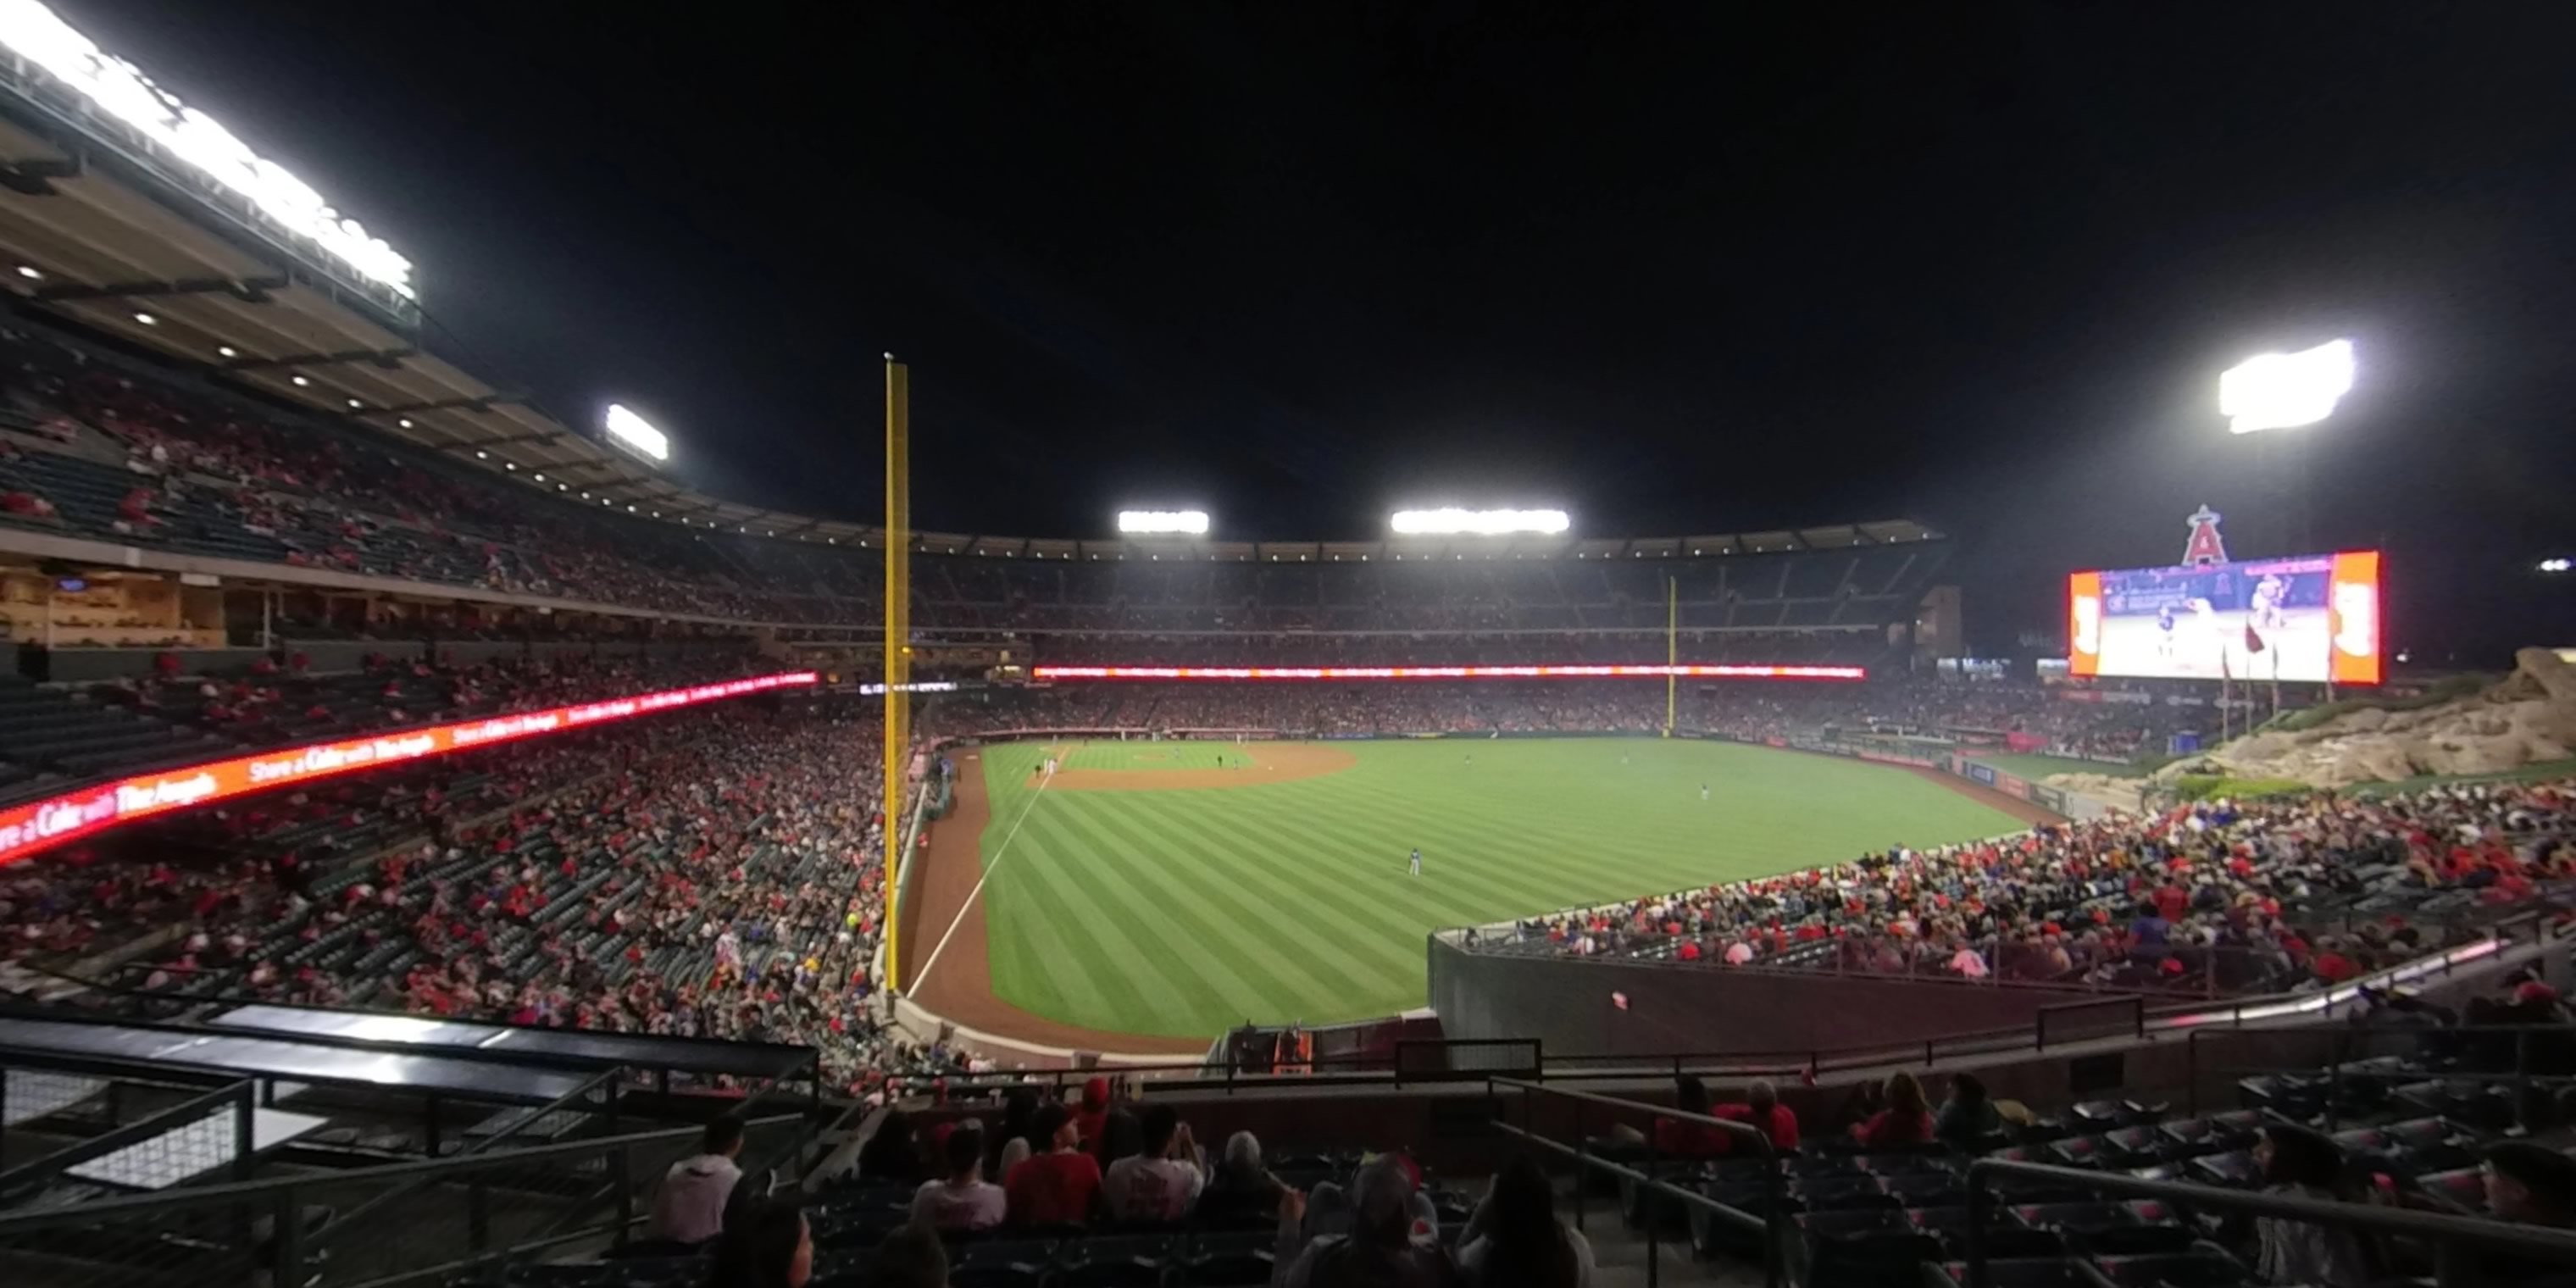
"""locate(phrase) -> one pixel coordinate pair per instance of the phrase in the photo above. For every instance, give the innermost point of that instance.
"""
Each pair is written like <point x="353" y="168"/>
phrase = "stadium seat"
<point x="1227" y="1261"/>
<point x="2020" y="1272"/>
<point x="1115" y="1261"/>
<point x="2203" y="1267"/>
<point x="1894" y="1258"/>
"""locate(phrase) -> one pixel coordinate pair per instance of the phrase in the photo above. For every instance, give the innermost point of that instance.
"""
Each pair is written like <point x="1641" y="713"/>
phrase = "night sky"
<point x="1676" y="267"/>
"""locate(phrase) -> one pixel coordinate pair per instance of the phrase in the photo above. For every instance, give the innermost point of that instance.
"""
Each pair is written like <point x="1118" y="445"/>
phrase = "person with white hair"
<point x="1388" y="1242"/>
<point x="1241" y="1189"/>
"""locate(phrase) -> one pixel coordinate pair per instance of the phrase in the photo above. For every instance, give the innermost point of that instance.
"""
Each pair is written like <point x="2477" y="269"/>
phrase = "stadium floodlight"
<point x="638" y="433"/>
<point x="2285" y="390"/>
<point x="1451" y="520"/>
<point x="147" y="319"/>
<point x="1185" y="522"/>
<point x="2556" y="565"/>
<point x="117" y="90"/>
<point x="31" y="272"/>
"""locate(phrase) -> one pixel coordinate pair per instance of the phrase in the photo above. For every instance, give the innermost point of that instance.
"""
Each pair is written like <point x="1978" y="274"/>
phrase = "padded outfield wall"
<point x="1573" y="1006"/>
<point x="1633" y="1008"/>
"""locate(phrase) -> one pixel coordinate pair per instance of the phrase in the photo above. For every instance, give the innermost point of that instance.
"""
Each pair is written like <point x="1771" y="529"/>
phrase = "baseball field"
<point x="1161" y="893"/>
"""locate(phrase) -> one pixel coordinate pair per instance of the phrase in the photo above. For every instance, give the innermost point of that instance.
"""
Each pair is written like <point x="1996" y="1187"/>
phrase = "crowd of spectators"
<point x="1054" y="1166"/>
<point x="714" y="872"/>
<point x="2220" y="896"/>
<point x="281" y="699"/>
<point x="93" y="447"/>
<point x="1747" y="709"/>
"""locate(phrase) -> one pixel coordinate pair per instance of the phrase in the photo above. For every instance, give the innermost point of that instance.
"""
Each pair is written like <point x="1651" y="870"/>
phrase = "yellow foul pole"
<point x="1672" y="645"/>
<point x="898" y="642"/>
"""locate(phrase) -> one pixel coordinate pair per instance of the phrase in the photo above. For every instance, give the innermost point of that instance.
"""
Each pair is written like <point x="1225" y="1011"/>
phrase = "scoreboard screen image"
<point x="2307" y="618"/>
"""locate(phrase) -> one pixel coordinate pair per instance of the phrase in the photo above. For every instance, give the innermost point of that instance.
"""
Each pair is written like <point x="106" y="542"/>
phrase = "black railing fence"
<point x="1654" y="1176"/>
<point x="2450" y="1237"/>
<point x="375" y="1226"/>
<point x="2335" y="1070"/>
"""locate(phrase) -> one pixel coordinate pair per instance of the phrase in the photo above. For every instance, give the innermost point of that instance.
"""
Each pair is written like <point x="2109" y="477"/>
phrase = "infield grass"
<point x="1151" y="755"/>
<point x="1185" y="912"/>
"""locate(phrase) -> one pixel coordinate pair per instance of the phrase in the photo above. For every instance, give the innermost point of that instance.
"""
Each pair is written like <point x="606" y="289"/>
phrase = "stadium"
<point x="435" y="840"/>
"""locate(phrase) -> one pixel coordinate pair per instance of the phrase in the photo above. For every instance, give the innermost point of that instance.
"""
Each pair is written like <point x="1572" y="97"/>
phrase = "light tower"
<point x="2280" y="391"/>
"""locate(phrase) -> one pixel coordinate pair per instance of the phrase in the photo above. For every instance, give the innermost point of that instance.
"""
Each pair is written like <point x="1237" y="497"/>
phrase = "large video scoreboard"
<point x="2306" y="618"/>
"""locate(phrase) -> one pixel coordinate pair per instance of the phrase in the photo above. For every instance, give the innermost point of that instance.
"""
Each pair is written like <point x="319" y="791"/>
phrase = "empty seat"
<point x="1892" y="1258"/>
<point x="2203" y="1267"/>
<point x="2020" y="1272"/>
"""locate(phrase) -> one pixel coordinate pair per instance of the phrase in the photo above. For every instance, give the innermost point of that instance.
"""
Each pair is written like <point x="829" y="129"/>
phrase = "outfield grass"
<point x="1185" y="912"/>
<point x="2038" y="767"/>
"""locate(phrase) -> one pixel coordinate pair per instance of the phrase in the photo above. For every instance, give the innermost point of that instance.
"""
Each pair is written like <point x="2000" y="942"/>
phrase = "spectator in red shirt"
<point x="2332" y="966"/>
<point x="2172" y="901"/>
<point x="1907" y="1119"/>
<point x="1059" y="1186"/>
<point x="1763" y="1109"/>
<point x="1680" y="1139"/>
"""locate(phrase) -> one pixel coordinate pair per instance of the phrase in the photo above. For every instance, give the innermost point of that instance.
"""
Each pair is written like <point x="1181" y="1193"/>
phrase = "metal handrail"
<point x="2150" y="1020"/>
<point x="469" y="1150"/>
<point x="791" y="1056"/>
<point x="2336" y="1071"/>
<point x="2444" y="1230"/>
<point x="239" y="1096"/>
<point x="13" y="1223"/>
<point x="1774" y="1263"/>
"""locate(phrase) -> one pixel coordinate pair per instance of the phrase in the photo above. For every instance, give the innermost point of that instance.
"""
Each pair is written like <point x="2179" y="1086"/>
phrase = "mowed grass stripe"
<point x="1519" y="866"/>
<point x="1471" y="874"/>
<point x="1246" y="884"/>
<point x="1076" y="878"/>
<point x="1154" y="873"/>
<point x="1509" y="878"/>
<point x="1738" y="841"/>
<point x="1516" y="864"/>
<point x="1289" y="846"/>
<point x="1038" y="961"/>
<point x="1530" y="827"/>
<point x="1554" y="821"/>
<point x="1054" y="961"/>
<point x="1265" y="856"/>
<point x="1057" y="949"/>
<point x="1164" y="931"/>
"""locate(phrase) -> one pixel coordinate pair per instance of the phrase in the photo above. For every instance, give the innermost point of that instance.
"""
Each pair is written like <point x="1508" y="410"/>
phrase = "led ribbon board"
<point x="28" y="829"/>
<point x="1570" y="672"/>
